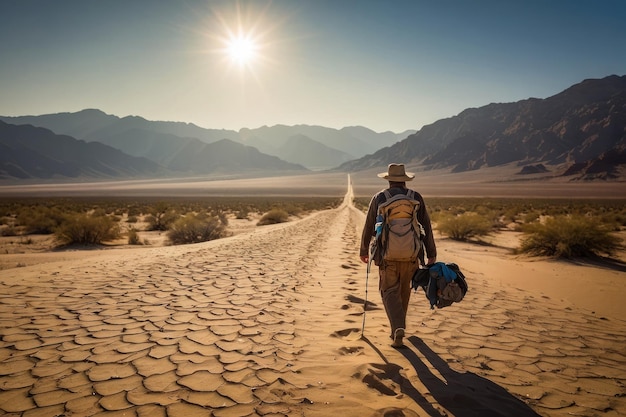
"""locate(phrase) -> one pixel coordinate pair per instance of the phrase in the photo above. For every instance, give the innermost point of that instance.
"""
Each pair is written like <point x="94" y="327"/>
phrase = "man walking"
<point x="395" y="272"/>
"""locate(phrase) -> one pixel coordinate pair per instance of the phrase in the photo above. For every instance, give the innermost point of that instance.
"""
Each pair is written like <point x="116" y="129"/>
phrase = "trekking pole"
<point x="378" y="227"/>
<point x="367" y="276"/>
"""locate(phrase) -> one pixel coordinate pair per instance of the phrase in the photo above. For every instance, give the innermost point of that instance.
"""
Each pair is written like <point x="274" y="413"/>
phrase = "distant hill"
<point x="308" y="152"/>
<point x="94" y="125"/>
<point x="33" y="152"/>
<point x="580" y="131"/>
<point x="228" y="157"/>
<point x="353" y="141"/>
<point x="159" y="140"/>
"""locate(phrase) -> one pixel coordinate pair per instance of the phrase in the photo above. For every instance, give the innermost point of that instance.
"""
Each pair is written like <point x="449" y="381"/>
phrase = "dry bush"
<point x="195" y="229"/>
<point x="40" y="219"/>
<point x="86" y="229"/>
<point x="242" y="214"/>
<point x="133" y="237"/>
<point x="161" y="217"/>
<point x="464" y="226"/>
<point x="274" y="216"/>
<point x="569" y="237"/>
<point x="9" y="231"/>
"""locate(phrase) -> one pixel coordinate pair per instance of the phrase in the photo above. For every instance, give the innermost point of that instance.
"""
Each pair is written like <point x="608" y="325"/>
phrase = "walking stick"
<point x="367" y="276"/>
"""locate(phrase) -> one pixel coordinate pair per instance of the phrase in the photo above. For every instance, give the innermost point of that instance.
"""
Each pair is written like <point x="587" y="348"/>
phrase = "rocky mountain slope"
<point x="580" y="131"/>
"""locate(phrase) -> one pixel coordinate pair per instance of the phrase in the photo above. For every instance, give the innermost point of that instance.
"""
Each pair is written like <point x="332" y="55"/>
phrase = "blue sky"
<point x="386" y="65"/>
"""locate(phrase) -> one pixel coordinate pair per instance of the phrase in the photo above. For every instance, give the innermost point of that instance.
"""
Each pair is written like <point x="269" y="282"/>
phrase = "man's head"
<point x="396" y="173"/>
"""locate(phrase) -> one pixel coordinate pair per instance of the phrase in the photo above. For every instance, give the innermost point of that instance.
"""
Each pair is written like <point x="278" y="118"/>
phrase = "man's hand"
<point x="365" y="258"/>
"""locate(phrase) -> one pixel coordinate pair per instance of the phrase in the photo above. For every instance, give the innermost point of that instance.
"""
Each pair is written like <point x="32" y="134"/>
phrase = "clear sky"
<point x="387" y="65"/>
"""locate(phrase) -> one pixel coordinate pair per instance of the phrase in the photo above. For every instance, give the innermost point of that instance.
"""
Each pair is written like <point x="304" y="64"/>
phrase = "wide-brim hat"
<point x="396" y="172"/>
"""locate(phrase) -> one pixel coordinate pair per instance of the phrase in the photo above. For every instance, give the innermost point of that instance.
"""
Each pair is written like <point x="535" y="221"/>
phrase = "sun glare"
<point x="243" y="38"/>
<point x="241" y="49"/>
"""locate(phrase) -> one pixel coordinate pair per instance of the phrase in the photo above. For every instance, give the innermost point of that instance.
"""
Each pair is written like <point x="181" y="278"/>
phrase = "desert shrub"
<point x="99" y="211"/>
<point x="161" y="217"/>
<point x="531" y="217"/>
<point x="615" y="221"/>
<point x="194" y="229"/>
<point x="436" y="216"/>
<point x="510" y="215"/>
<point x="274" y="216"/>
<point x="569" y="237"/>
<point x="242" y="214"/>
<point x="133" y="237"/>
<point x="8" y="231"/>
<point x="464" y="226"/>
<point x="292" y="209"/>
<point x="361" y="203"/>
<point x="132" y="219"/>
<point x="223" y="218"/>
<point x="40" y="219"/>
<point x="133" y="210"/>
<point x="86" y="229"/>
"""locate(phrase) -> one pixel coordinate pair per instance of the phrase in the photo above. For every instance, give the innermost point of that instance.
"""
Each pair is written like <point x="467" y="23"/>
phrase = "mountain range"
<point x="160" y="141"/>
<point x="34" y="152"/>
<point x="580" y="132"/>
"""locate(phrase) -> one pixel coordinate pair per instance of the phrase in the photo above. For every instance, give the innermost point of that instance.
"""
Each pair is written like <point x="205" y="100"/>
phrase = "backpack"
<point x="401" y="235"/>
<point x="443" y="284"/>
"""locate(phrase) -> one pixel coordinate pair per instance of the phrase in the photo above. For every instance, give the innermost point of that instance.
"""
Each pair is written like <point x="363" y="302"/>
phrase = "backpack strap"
<point x="389" y="198"/>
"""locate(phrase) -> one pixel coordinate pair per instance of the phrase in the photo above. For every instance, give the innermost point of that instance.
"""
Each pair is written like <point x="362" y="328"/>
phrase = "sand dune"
<point x="270" y="323"/>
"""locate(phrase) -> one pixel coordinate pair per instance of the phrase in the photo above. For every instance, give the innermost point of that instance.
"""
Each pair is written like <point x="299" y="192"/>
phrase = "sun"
<point x="243" y="37"/>
<point x="241" y="49"/>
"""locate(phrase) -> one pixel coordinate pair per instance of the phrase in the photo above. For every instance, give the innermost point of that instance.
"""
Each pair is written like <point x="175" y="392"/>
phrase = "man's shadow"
<point x="463" y="394"/>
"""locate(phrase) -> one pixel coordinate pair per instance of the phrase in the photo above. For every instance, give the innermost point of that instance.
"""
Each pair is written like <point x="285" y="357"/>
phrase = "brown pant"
<point x="395" y="290"/>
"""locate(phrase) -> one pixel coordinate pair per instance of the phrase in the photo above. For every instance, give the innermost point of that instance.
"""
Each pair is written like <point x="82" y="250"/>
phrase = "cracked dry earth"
<point x="269" y="324"/>
<point x="208" y="329"/>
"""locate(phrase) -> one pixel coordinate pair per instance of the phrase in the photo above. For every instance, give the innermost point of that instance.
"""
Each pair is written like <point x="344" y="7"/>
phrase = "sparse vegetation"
<point x="569" y="237"/>
<point x="161" y="217"/>
<point x="40" y="219"/>
<point x="464" y="226"/>
<point x="242" y="214"/>
<point x="21" y="217"/>
<point x="86" y="229"/>
<point x="195" y="228"/>
<point x="133" y="237"/>
<point x="274" y="216"/>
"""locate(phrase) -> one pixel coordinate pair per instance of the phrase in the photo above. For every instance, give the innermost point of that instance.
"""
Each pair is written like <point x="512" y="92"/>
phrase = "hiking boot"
<point x="397" y="338"/>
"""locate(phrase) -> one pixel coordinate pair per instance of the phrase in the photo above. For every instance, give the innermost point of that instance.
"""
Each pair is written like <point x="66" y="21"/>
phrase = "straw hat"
<point x="396" y="173"/>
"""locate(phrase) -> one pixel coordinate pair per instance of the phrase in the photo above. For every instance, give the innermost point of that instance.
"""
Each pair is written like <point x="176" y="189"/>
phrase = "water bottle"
<point x="378" y="227"/>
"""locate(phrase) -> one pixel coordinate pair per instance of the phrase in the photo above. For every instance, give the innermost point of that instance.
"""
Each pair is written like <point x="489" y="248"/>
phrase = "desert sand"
<point x="270" y="323"/>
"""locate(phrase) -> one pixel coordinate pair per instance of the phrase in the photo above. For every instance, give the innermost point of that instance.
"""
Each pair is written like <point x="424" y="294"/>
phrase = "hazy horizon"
<point x="245" y="64"/>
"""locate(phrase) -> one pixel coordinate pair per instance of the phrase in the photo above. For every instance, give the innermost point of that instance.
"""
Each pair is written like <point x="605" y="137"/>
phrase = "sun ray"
<point x="242" y="49"/>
